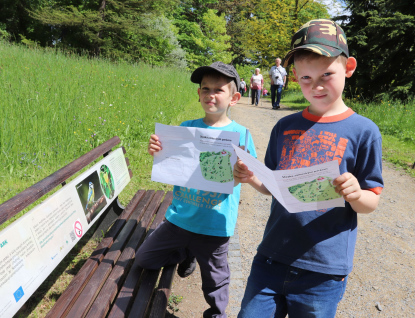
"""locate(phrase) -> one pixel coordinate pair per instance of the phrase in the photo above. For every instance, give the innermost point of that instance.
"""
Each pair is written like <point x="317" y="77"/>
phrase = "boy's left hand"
<point x="348" y="186"/>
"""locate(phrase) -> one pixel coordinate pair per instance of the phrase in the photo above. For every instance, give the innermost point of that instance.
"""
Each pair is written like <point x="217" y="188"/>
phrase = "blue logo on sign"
<point x="18" y="294"/>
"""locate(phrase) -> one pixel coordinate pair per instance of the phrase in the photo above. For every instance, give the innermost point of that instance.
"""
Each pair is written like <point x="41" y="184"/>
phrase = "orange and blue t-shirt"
<point x="323" y="240"/>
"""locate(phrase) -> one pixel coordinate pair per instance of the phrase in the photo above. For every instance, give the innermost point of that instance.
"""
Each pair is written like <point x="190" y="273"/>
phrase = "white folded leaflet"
<point x="298" y="190"/>
<point x="197" y="158"/>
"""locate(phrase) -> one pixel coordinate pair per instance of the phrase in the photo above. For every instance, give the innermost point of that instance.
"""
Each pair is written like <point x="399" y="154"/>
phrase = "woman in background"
<point x="257" y="82"/>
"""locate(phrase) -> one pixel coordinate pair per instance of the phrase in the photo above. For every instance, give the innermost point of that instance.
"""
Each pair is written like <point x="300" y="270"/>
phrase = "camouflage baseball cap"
<point x="225" y="69"/>
<point x="323" y="37"/>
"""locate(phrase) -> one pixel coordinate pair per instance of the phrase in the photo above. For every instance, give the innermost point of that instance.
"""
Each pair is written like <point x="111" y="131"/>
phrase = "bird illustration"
<point x="91" y="195"/>
<point x="106" y="178"/>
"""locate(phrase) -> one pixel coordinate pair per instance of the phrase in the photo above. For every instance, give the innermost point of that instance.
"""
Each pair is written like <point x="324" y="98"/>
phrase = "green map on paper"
<point x="320" y="189"/>
<point x="216" y="166"/>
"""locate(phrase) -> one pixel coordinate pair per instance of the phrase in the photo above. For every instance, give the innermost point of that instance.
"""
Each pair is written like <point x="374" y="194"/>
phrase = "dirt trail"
<point x="381" y="284"/>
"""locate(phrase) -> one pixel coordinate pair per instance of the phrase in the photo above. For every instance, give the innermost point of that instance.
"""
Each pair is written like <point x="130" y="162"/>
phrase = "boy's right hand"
<point x="241" y="172"/>
<point x="154" y="145"/>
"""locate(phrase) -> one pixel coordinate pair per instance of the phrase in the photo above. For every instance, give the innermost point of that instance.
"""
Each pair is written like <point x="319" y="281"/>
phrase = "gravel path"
<point x="381" y="284"/>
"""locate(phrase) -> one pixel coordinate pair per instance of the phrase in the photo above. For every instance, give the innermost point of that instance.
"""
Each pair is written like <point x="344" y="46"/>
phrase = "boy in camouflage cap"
<point x="304" y="259"/>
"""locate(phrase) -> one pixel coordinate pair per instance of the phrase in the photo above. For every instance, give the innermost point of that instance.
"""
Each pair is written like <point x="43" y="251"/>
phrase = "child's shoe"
<point x="188" y="266"/>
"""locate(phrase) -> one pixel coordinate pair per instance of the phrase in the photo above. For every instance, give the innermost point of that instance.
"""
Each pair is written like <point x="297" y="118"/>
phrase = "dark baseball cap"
<point x="224" y="69"/>
<point x="323" y="37"/>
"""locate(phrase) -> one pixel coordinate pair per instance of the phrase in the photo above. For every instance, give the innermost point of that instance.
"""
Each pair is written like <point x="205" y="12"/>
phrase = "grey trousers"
<point x="166" y="246"/>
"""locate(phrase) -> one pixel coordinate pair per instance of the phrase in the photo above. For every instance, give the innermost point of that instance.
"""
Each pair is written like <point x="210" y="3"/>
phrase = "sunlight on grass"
<point x="56" y="108"/>
<point x="294" y="100"/>
<point x="396" y="122"/>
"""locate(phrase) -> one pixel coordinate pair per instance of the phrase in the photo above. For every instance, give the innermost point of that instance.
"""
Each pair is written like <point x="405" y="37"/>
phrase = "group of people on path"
<point x="303" y="262"/>
<point x="277" y="76"/>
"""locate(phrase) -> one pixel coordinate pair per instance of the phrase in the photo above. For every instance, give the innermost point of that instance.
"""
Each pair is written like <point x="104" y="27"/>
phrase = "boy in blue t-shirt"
<point x="302" y="263"/>
<point x="194" y="231"/>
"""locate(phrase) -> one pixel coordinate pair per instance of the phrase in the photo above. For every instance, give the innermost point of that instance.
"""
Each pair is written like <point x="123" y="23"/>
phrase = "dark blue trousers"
<point x="276" y="90"/>
<point x="166" y="246"/>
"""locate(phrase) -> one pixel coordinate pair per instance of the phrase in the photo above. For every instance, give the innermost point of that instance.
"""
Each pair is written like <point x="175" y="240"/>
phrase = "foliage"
<point x="182" y="33"/>
<point x="235" y="26"/>
<point x="206" y="41"/>
<point x="169" y="51"/>
<point x="216" y="40"/>
<point x="174" y="301"/>
<point x="265" y="30"/>
<point x="336" y="7"/>
<point x="269" y="26"/>
<point x="16" y="21"/>
<point x="118" y="29"/>
<point x="381" y="36"/>
<point x="245" y="72"/>
<point x="293" y="86"/>
<point x="4" y="35"/>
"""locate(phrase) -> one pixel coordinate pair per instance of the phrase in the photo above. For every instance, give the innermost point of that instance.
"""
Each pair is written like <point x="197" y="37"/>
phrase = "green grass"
<point x="294" y="100"/>
<point x="396" y="122"/>
<point x="56" y="107"/>
<point x="174" y="301"/>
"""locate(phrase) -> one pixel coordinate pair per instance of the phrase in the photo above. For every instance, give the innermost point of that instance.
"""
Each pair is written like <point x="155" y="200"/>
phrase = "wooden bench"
<point x="110" y="283"/>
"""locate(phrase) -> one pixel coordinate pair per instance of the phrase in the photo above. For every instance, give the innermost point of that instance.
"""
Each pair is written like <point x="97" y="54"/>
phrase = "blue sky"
<point x="334" y="6"/>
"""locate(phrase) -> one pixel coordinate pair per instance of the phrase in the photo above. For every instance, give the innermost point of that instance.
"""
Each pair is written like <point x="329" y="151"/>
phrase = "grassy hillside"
<point x="56" y="107"/>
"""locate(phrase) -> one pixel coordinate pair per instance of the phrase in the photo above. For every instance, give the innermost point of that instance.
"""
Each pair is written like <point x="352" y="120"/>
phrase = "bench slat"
<point x="143" y="297"/>
<point x="25" y="198"/>
<point x="108" y="292"/>
<point x="148" y="282"/>
<point x="78" y="283"/>
<point x="88" y="294"/>
<point x="161" y="298"/>
<point x="125" y="297"/>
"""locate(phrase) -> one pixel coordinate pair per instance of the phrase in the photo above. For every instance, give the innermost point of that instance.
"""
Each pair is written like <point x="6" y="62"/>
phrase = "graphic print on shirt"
<point x="201" y="199"/>
<point x="308" y="148"/>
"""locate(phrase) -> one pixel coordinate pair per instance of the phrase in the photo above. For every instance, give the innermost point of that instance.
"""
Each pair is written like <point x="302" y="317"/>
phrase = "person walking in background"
<point x="257" y="82"/>
<point x="278" y="76"/>
<point x="242" y="89"/>
<point x="304" y="259"/>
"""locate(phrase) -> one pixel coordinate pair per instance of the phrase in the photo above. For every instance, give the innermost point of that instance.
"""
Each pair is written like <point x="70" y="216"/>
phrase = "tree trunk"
<point x="102" y="13"/>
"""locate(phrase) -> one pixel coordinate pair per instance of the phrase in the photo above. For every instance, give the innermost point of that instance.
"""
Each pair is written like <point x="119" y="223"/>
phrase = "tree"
<point x="380" y="35"/>
<point x="16" y="23"/>
<point x="205" y="41"/>
<point x="235" y="28"/>
<point x="270" y="25"/>
<point x="118" y="29"/>
<point x="266" y="28"/>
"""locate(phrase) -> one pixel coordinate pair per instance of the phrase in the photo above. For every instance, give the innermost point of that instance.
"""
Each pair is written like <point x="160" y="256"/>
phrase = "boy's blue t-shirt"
<point x="323" y="240"/>
<point x="205" y="212"/>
